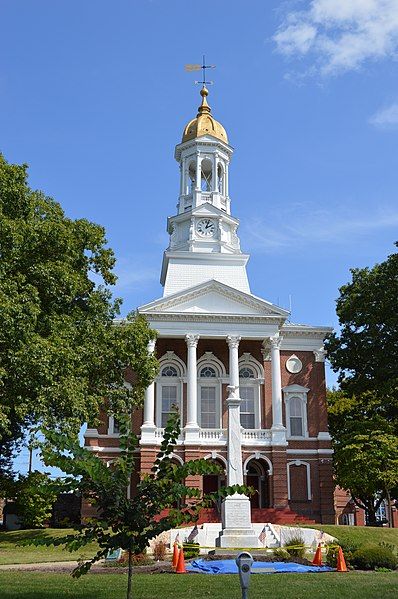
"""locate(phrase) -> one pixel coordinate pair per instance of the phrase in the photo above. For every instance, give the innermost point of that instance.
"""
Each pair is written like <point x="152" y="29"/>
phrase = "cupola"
<point x="204" y="123"/>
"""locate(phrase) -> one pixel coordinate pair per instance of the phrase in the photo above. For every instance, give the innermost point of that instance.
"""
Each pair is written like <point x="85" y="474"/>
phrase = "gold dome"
<point x="204" y="123"/>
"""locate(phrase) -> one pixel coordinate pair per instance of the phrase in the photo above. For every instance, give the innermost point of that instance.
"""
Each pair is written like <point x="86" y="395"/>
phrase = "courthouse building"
<point x="214" y="335"/>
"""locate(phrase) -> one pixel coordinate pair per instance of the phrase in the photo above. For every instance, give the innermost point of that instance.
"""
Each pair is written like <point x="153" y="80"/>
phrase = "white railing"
<point x="213" y="434"/>
<point x="255" y="435"/>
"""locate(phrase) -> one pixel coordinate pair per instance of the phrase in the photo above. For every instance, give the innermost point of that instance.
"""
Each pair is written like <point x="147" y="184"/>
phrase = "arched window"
<point x="251" y="375"/>
<point x="207" y="174"/>
<point x="210" y="372"/>
<point x="246" y="373"/>
<point x="169" y="371"/>
<point x="169" y="388"/>
<point x="220" y="177"/>
<point x="296" y="411"/>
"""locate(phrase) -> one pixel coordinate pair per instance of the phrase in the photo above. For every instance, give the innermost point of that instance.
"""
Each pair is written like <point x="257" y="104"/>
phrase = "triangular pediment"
<point x="213" y="297"/>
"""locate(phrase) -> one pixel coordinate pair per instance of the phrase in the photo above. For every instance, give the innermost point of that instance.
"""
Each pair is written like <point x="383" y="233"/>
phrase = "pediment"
<point x="213" y="297"/>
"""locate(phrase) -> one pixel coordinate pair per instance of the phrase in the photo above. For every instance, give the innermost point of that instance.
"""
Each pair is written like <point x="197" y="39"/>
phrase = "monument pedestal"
<point x="237" y="530"/>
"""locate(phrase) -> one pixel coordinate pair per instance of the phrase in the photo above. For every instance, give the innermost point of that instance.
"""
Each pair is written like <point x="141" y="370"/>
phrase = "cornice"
<point x="195" y="317"/>
<point x="229" y="293"/>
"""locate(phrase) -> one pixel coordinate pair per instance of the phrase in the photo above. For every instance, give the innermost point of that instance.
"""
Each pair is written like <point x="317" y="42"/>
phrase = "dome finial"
<point x="204" y="108"/>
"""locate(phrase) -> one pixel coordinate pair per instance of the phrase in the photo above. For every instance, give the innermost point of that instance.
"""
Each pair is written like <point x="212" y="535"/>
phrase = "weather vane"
<point x="203" y="67"/>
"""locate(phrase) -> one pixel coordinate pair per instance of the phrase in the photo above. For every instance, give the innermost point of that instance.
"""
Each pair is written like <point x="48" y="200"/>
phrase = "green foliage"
<point x="365" y="449"/>
<point x="365" y="352"/>
<point x="122" y="522"/>
<point x="191" y="550"/>
<point x="363" y="414"/>
<point x="333" y="550"/>
<point x="280" y="554"/>
<point x="374" y="556"/>
<point x="295" y="546"/>
<point x="35" y="495"/>
<point x="60" y="353"/>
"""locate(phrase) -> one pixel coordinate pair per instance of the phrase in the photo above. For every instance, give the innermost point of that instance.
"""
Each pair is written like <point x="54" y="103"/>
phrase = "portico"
<point x="193" y="432"/>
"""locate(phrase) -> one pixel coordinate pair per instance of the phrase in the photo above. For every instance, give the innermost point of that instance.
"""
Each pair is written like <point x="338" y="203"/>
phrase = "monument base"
<point x="237" y="530"/>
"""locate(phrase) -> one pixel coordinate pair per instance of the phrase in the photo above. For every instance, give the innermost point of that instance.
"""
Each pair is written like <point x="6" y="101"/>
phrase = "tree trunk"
<point x="130" y="575"/>
<point x="389" y="510"/>
<point x="371" y="513"/>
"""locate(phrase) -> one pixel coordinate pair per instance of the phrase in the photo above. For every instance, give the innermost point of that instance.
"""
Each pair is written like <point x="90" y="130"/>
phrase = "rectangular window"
<point x="208" y="411"/>
<point x="296" y="426"/>
<point x="247" y="412"/>
<point x="169" y="399"/>
<point x="296" y="417"/>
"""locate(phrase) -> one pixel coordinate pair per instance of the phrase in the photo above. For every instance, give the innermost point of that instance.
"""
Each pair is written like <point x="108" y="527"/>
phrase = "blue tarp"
<point x="228" y="566"/>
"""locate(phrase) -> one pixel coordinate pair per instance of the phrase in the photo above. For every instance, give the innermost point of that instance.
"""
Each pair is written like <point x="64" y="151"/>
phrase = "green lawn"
<point x="352" y="585"/>
<point x="10" y="553"/>
<point x="360" y="534"/>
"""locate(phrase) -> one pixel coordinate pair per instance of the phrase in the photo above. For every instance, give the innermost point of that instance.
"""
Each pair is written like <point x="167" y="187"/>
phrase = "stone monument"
<point x="237" y="529"/>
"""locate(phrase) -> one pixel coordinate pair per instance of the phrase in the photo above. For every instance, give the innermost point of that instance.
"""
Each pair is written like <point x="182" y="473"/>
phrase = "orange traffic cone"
<point x="317" y="561"/>
<point x="175" y="555"/>
<point x="181" y="563"/>
<point x="341" y="565"/>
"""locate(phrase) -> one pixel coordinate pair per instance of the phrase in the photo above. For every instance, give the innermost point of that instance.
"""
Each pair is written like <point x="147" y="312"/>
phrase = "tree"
<point x="365" y="451"/>
<point x="363" y="415"/>
<point x="60" y="353"/>
<point x="35" y="495"/>
<point x="126" y="523"/>
<point x="365" y="352"/>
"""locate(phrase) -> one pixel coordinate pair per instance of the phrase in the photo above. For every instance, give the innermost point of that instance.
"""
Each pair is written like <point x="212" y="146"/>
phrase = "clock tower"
<point x="204" y="244"/>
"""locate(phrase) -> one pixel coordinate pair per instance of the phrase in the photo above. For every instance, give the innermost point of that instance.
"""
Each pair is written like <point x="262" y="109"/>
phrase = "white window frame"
<point x="247" y="360"/>
<point x="210" y="360"/>
<point x="300" y="393"/>
<point x="308" y="468"/>
<point x="170" y="359"/>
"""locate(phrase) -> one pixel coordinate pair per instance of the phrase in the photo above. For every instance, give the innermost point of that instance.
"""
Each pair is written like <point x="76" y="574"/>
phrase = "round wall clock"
<point x="294" y="364"/>
<point x="206" y="227"/>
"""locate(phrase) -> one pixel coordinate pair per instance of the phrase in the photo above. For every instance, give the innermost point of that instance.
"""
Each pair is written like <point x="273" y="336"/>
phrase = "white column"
<point x="236" y="530"/>
<point x="278" y="430"/>
<point x="192" y="389"/>
<point x="234" y="469"/>
<point x="198" y="171"/>
<point x="148" y="426"/>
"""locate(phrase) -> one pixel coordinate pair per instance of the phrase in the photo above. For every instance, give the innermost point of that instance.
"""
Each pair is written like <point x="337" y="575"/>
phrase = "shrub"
<point x="191" y="550"/>
<point x="159" y="551"/>
<point x="280" y="554"/>
<point x="295" y="546"/>
<point x="35" y="496"/>
<point x="369" y="557"/>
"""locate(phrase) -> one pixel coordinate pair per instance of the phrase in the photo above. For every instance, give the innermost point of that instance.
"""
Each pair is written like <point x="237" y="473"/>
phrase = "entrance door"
<point x="257" y="477"/>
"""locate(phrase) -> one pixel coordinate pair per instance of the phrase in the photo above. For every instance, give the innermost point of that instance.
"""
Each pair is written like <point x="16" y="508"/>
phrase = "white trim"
<point x="99" y="449"/>
<point x="310" y="451"/>
<point x="290" y="393"/>
<point x="324" y="436"/>
<point x="169" y="358"/>
<point x="177" y="457"/>
<point x="209" y="359"/>
<point x="216" y="456"/>
<point x="258" y="456"/>
<point x="308" y="467"/>
<point x="111" y="425"/>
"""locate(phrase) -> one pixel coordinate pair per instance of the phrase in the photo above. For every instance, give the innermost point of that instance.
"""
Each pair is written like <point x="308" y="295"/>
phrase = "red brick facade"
<point x="296" y="477"/>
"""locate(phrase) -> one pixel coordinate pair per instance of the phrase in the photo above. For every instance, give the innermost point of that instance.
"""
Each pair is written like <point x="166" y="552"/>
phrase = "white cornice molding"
<point x="210" y="286"/>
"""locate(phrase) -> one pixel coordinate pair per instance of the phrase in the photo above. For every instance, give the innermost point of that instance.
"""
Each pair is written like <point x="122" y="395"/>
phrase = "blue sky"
<point x="94" y="97"/>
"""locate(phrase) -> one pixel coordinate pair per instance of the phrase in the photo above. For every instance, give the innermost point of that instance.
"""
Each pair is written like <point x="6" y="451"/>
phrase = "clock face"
<point x="206" y="227"/>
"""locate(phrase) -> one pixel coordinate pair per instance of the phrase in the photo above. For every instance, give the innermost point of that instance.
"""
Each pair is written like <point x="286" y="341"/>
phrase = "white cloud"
<point x="340" y="35"/>
<point x="303" y="225"/>
<point x="386" y="118"/>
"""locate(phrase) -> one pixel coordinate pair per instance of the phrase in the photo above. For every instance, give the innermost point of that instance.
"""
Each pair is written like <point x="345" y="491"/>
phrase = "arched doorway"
<point x="211" y="483"/>
<point x="257" y="477"/>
